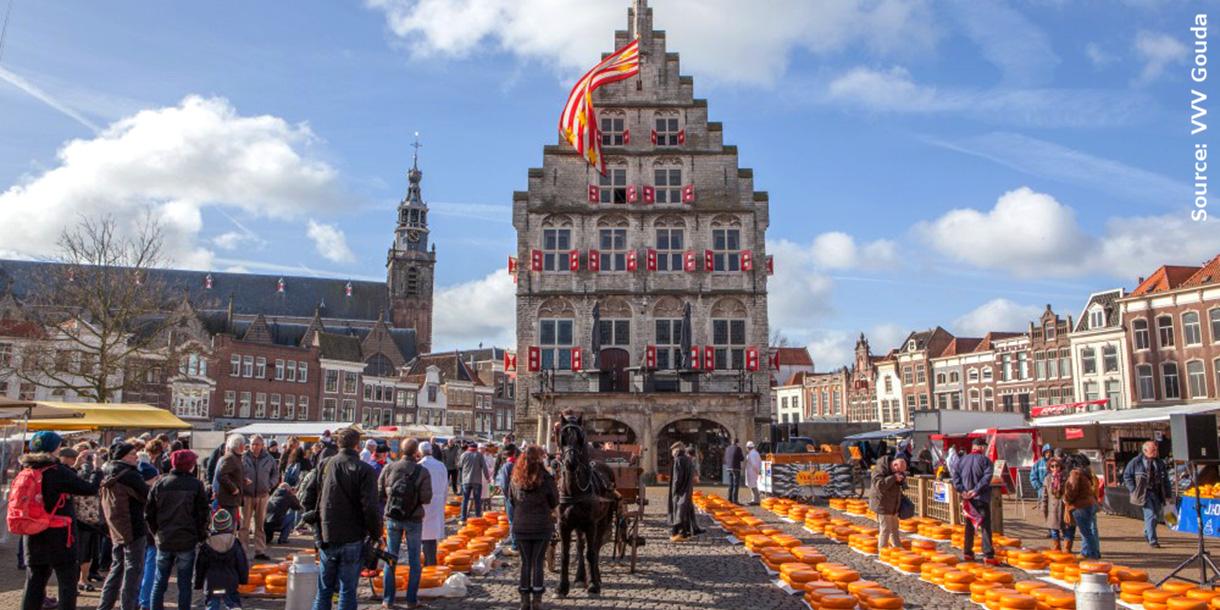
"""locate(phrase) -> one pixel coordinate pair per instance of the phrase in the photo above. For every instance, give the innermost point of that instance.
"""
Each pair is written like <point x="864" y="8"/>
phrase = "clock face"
<point x="413" y="236"/>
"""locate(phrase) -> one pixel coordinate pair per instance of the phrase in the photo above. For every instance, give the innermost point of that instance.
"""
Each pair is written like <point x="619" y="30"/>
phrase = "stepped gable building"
<point x="672" y="238"/>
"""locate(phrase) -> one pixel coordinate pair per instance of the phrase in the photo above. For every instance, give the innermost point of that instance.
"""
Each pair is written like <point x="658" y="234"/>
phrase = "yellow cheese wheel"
<point x="997" y="576"/>
<point x="815" y="595"/>
<point x="1215" y="603"/>
<point x="276" y="580"/>
<point x="247" y="589"/>
<point x="892" y="602"/>
<point x="1125" y="574"/>
<point x="1131" y="598"/>
<point x="800" y="576"/>
<point x="1061" y="599"/>
<point x="1185" y="603"/>
<point x="1096" y="567"/>
<point x="1158" y="596"/>
<point x="1019" y="601"/>
<point x="1177" y="586"/>
<point x="1202" y="594"/>
<point x="1155" y="606"/>
<point x="978" y="598"/>
<point x="256" y="579"/>
<point x="1135" y="587"/>
<point x="1027" y="586"/>
<point x="994" y="595"/>
<point x="837" y="602"/>
<point x="957" y="577"/>
<point x="276" y="591"/>
<point x="982" y="586"/>
<point x="957" y="587"/>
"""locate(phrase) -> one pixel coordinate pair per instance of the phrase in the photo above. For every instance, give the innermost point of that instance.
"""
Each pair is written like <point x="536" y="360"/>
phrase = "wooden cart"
<point x="624" y="463"/>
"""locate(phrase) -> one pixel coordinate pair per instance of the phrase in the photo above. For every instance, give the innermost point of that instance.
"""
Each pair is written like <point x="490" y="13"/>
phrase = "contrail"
<point x="46" y="98"/>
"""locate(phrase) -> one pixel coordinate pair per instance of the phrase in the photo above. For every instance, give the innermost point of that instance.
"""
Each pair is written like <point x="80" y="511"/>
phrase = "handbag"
<point x="906" y="508"/>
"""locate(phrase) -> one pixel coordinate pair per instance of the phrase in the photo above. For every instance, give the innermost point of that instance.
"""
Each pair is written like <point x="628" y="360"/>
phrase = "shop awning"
<point x="307" y="431"/>
<point x="411" y="431"/>
<point x="17" y="409"/>
<point x="109" y="416"/>
<point x="1125" y="416"/>
<point x="876" y="435"/>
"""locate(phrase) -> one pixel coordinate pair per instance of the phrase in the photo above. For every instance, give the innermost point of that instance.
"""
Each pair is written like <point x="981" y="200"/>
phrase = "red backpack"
<point x="27" y="515"/>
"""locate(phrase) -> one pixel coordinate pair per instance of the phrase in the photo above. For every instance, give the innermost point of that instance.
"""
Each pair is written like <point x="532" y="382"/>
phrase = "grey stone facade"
<point x="725" y="200"/>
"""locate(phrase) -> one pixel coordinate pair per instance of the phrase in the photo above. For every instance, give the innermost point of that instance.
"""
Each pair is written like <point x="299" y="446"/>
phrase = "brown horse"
<point x="587" y="503"/>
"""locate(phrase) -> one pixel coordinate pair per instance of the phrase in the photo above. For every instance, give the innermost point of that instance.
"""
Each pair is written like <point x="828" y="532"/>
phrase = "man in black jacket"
<point x="405" y="488"/>
<point x="177" y="515"/>
<point x="123" y="493"/>
<point x="53" y="549"/>
<point x="733" y="457"/>
<point x="345" y="514"/>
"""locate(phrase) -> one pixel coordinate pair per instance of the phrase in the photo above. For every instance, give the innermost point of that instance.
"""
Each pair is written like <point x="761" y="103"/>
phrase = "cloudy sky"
<point x="961" y="162"/>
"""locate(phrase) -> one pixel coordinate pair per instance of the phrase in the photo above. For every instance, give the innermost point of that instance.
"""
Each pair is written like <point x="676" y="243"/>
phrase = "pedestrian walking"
<point x="534" y="499"/>
<point x="504" y="480"/>
<point x="434" y="512"/>
<point x="753" y="470"/>
<point x="473" y="472"/>
<point x="262" y="475"/>
<point x="453" y="451"/>
<point x="1147" y="478"/>
<point x="123" y="494"/>
<point x="177" y="515"/>
<point x="405" y="488"/>
<point x="1037" y="473"/>
<point x="1061" y="532"/>
<point x="733" y="459"/>
<point x="885" y="499"/>
<point x="344" y="511"/>
<point x="222" y="564"/>
<point x="681" y="487"/>
<point x="972" y="479"/>
<point x="1080" y="495"/>
<point x="54" y="549"/>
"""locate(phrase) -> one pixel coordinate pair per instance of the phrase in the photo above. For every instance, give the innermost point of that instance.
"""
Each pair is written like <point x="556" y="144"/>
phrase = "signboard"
<point x="940" y="491"/>
<point x="1188" y="522"/>
<point x="1073" y="434"/>
<point x="1068" y="408"/>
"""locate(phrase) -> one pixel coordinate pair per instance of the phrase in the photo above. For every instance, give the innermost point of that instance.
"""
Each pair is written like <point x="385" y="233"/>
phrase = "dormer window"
<point x="911" y="345"/>
<point x="1097" y="318"/>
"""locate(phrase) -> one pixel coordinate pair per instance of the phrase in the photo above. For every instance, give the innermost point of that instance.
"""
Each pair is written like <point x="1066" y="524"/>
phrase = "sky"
<point x="961" y="163"/>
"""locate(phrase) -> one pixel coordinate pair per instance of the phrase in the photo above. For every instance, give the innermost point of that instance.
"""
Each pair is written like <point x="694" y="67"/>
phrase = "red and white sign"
<point x="595" y="261"/>
<point x="535" y="359"/>
<point x="1068" y="408"/>
<point x="1073" y="434"/>
<point x="650" y="357"/>
<point x="751" y="359"/>
<point x="577" y="365"/>
<point x="535" y="260"/>
<point x="574" y="260"/>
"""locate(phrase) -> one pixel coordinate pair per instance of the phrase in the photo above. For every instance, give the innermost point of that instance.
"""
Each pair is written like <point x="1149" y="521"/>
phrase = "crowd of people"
<point x="144" y="509"/>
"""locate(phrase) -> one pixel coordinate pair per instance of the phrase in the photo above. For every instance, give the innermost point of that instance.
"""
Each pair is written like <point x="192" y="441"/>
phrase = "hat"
<point x="676" y="445"/>
<point x="749" y="444"/>
<point x="67" y="452"/>
<point x="369" y="444"/>
<point x="273" y="443"/>
<point x="120" y="450"/>
<point x="222" y="521"/>
<point x="1046" y="448"/>
<point x="183" y="460"/>
<point x="425" y="448"/>
<point x="45" y="441"/>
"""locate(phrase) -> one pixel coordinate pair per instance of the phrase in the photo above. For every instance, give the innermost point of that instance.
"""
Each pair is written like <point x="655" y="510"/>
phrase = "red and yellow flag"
<point x="578" y="124"/>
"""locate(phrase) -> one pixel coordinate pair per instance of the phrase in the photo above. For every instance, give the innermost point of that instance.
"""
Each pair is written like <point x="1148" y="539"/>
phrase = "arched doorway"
<point x="606" y="430"/>
<point x="614" y="376"/>
<point x="709" y="439"/>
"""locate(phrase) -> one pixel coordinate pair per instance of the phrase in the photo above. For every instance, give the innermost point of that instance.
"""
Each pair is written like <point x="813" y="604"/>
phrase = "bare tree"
<point x="778" y="339"/>
<point x="105" y="318"/>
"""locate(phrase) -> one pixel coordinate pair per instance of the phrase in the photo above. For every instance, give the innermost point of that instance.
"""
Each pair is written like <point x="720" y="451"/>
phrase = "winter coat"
<point x="345" y="500"/>
<point x="221" y="564"/>
<point x="753" y="469"/>
<point x="402" y="470"/>
<point x="282" y="501"/>
<point x="1147" y="480"/>
<point x="124" y="494"/>
<point x="733" y="457"/>
<point x="473" y="468"/>
<point x="177" y="512"/>
<point x="1037" y="475"/>
<point x="263" y="473"/>
<point x="681" y="485"/>
<point x="1080" y="490"/>
<point x="533" y="509"/>
<point x="886" y="490"/>
<point x="452" y="453"/>
<point x="1052" y="507"/>
<point x="230" y="480"/>
<point x="973" y="472"/>
<point x="434" y="512"/>
<point x="50" y="546"/>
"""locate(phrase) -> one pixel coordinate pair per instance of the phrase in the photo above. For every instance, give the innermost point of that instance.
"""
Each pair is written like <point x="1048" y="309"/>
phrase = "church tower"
<point x="411" y="263"/>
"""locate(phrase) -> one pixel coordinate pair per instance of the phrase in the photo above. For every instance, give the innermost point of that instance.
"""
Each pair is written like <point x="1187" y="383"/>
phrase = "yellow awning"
<point x="112" y="416"/>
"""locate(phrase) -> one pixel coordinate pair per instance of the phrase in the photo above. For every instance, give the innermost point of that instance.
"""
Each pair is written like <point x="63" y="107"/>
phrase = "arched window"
<point x="1169" y="380"/>
<point x="1139" y="334"/>
<point x="726" y="243"/>
<point x="556" y="333"/>
<point x="1164" y="332"/>
<point x="667" y="179"/>
<point x="556" y="242"/>
<point x="1192" y="332"/>
<point x="1145" y="383"/>
<point x="612" y="242"/>
<point x="988" y="399"/>
<point x="729" y="333"/>
<point x="670" y="242"/>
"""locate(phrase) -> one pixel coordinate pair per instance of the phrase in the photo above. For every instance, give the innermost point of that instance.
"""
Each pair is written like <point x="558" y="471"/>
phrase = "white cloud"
<point x="1030" y="234"/>
<point x="330" y="242"/>
<point x="1157" y="51"/>
<point x="176" y="161"/>
<point x="1006" y="38"/>
<point x="1097" y="55"/>
<point x="481" y="310"/>
<point x="709" y="33"/>
<point x="837" y="250"/>
<point x="832" y="349"/>
<point x="230" y="240"/>
<point x="798" y="295"/>
<point x="995" y="315"/>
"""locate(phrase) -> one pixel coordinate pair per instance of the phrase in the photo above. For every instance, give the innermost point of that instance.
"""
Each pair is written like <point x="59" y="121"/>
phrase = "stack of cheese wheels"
<point x="956" y="581"/>
<point x="400" y="584"/>
<point x="855" y="587"/>
<point x="1049" y="595"/>
<point x="933" y="572"/>
<point x="1185" y="603"/>
<point x="1157" y="599"/>
<point x="1121" y="574"/>
<point x="797" y="512"/>
<point x="769" y="530"/>
<point x="979" y="589"/>
<point x="940" y="532"/>
<point x="757" y="542"/>
<point x="768" y="503"/>
<point x="786" y="541"/>
<point x="814" y="597"/>
<point x="840" y="601"/>
<point x="909" y="526"/>
<point x="479" y="548"/>
<point x="460" y="561"/>
<point x="880" y="599"/>
<point x="838" y="504"/>
<point x="816" y="521"/>
<point x="807" y="555"/>
<point x="945" y="558"/>
<point x="1206" y="595"/>
<point x="276" y="585"/>
<point x="1095" y="567"/>
<point x="996" y="576"/>
<point x="841" y="533"/>
<point x="1071" y="573"/>
<point x="839" y="575"/>
<point x="818" y="584"/>
<point x="1132" y="592"/>
<point x="1019" y="601"/>
<point x="994" y="594"/>
<point x="856" y="507"/>
<point x="796" y="574"/>
<point x="1028" y="559"/>
<point x="920" y="546"/>
<point x="862" y="543"/>
<point x="775" y="556"/>
<point x="910" y="562"/>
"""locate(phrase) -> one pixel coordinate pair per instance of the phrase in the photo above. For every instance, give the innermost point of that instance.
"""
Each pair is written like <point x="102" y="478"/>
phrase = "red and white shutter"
<point x="709" y="260"/>
<point x="573" y="260"/>
<point x="650" y="259"/>
<point x="594" y="193"/>
<point x="688" y="261"/>
<point x="682" y="136"/>
<point x="653" y="135"/>
<point x="632" y="263"/>
<point x="747" y="260"/>
<point x="688" y="193"/>
<point x="696" y="361"/>
<point x="650" y="194"/>
<point x="535" y="359"/>
<point x="774" y="361"/>
<point x="626" y="137"/>
<point x="535" y="260"/>
<point x="512" y="265"/>
<point x="650" y="357"/>
<point x="633" y="194"/>
<point x="577" y="365"/>
<point x="510" y="362"/>
<point x="595" y="261"/>
<point x="770" y="265"/>
<point x="709" y="358"/>
<point x="751" y="359"/>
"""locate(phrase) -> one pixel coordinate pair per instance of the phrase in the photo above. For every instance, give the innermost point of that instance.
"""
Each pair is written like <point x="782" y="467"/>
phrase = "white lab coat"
<point x="434" y="512"/>
<point x="753" y="468"/>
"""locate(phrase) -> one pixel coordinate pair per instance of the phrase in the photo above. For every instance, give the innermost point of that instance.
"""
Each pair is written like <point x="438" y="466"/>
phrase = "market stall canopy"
<point x="1136" y="415"/>
<point x="306" y="431"/>
<point x="877" y="435"/>
<point x="16" y="409"/>
<point x="109" y="416"/>
<point x="412" y="431"/>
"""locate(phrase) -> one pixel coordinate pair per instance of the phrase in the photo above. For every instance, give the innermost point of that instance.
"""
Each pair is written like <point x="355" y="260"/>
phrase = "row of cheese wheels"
<point x="1171" y="595"/>
<point x="476" y="539"/>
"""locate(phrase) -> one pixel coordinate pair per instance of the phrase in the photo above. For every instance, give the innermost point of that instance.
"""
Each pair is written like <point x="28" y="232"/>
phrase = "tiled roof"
<point x="797" y="356"/>
<point x="1207" y="275"/>
<point x="1107" y="301"/>
<point x="451" y="365"/>
<point x="335" y="346"/>
<point x="960" y="345"/>
<point x="797" y="378"/>
<point x="986" y="343"/>
<point x="1168" y="277"/>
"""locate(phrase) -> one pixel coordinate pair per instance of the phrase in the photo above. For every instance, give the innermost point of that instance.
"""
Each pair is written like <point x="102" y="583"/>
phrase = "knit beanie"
<point x="45" y="441"/>
<point x="222" y="521"/>
<point x="120" y="450"/>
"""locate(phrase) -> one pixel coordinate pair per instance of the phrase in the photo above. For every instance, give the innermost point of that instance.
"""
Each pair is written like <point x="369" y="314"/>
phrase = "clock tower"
<point x="411" y="262"/>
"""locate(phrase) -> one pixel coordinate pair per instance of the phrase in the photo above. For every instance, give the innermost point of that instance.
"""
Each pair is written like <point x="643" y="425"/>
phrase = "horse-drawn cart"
<point x="624" y="463"/>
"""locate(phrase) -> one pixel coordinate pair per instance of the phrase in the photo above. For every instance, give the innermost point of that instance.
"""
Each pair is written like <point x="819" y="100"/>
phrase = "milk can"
<point x="1094" y="592"/>
<point x="302" y="583"/>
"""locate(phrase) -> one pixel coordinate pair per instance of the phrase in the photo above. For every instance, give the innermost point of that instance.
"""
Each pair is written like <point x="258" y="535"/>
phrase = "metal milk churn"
<point x="1094" y="592"/>
<point x="302" y="582"/>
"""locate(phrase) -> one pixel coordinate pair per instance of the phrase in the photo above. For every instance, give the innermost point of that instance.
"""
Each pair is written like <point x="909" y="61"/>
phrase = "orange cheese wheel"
<point x="837" y="602"/>
<point x="1131" y="598"/>
<point x="1154" y="606"/>
<point x="1177" y="586"/>
<point x="818" y="584"/>
<point x="1096" y="567"/>
<point x="1202" y="594"/>
<point x="276" y="580"/>
<point x="1135" y="587"/>
<point x="1215" y="603"/>
<point x="855" y="587"/>
<point x="1158" y="596"/>
<point x="815" y="595"/>
<point x="843" y="577"/>
<point x="1061" y="599"/>
<point x="957" y="577"/>
<point x="800" y="576"/>
<point x="982" y="586"/>
<point x="997" y="576"/>
<point x="892" y="602"/>
<point x="978" y="598"/>
<point x="276" y="591"/>
<point x="1185" y="603"/>
<point x="957" y="587"/>
<point x="256" y="579"/>
<point x="1019" y="601"/>
<point x="1027" y="586"/>
<point x="431" y="581"/>
<point x="1040" y="594"/>
<point x="1125" y="574"/>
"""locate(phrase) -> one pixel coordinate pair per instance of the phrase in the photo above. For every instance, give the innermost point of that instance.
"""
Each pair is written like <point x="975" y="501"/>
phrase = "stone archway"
<point x="709" y="438"/>
<point x="610" y="430"/>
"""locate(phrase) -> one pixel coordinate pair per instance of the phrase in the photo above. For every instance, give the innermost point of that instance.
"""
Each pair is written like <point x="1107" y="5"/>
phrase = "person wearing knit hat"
<point x="45" y="441"/>
<point x="222" y="521"/>
<point x="177" y="515"/>
<point x="222" y="564"/>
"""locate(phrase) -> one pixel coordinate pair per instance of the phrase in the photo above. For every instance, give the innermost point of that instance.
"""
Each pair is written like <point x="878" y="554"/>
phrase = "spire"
<point x="415" y="156"/>
<point x="640" y="23"/>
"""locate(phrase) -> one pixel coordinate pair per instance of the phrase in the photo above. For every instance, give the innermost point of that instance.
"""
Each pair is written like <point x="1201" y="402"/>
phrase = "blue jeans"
<point x="1086" y="522"/>
<point x="734" y="485"/>
<point x="231" y="600"/>
<point x="508" y="509"/>
<point x="150" y="574"/>
<point x="1067" y="534"/>
<point x="1152" y="513"/>
<point x="340" y="571"/>
<point x="394" y="532"/>
<point x="472" y="496"/>
<point x="184" y="565"/>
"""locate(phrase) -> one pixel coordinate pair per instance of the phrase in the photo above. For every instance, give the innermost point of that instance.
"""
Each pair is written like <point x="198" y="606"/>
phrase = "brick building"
<point x="488" y="364"/>
<point x="467" y="400"/>
<point x="861" y="395"/>
<point x="666" y="249"/>
<point x="826" y="395"/>
<point x="1100" y="353"/>
<point x="914" y="362"/>
<point x="888" y="390"/>
<point x="1050" y="347"/>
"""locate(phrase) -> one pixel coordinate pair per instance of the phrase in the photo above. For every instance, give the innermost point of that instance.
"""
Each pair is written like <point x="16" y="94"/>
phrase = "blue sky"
<point x="960" y="163"/>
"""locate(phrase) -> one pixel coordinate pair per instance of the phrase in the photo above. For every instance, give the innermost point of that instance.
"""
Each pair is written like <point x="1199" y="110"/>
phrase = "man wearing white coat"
<point x="434" y="512"/>
<point x="753" y="468"/>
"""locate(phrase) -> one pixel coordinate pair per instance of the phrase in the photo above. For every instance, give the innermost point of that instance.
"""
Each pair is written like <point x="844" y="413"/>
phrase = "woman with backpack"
<point x="50" y="545"/>
<point x="89" y="523"/>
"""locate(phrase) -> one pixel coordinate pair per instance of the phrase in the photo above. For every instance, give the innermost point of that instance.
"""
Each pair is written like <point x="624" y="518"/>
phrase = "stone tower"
<point x="411" y="264"/>
<point x="610" y="264"/>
